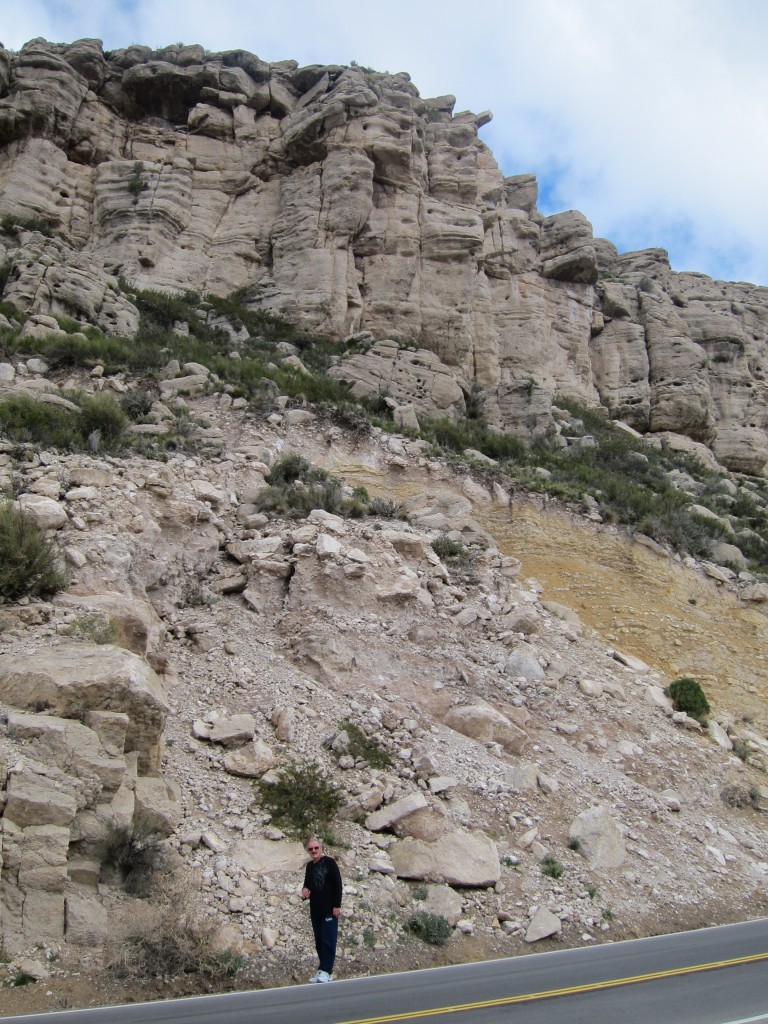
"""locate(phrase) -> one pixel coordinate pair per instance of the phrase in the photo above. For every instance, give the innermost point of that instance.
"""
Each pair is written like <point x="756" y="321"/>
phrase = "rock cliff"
<point x="341" y="199"/>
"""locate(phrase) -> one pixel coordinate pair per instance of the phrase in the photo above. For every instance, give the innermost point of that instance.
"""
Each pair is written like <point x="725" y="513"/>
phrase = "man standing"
<point x="322" y="887"/>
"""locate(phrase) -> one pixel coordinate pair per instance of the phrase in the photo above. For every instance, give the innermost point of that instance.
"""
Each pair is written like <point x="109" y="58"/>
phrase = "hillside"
<point x="201" y="643"/>
<point x="431" y="551"/>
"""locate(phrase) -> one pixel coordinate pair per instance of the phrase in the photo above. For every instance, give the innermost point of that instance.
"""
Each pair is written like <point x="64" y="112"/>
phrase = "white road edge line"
<point x="749" y="1020"/>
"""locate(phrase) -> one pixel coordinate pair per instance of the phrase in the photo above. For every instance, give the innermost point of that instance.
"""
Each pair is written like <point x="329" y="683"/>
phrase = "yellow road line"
<point x="572" y="990"/>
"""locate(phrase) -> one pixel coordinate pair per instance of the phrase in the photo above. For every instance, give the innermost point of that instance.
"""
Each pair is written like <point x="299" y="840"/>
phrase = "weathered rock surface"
<point x="342" y="199"/>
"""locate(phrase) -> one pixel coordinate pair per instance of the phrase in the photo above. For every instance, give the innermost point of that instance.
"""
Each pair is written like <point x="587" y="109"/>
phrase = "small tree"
<point x="29" y="563"/>
<point x="301" y="801"/>
<point x="687" y="695"/>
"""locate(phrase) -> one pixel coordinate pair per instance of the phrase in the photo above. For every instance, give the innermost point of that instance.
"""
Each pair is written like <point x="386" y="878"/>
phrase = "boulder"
<point x="484" y="723"/>
<point x="392" y="813"/>
<point x="599" y="837"/>
<point x="250" y="761"/>
<point x="543" y="925"/>
<point x="158" y="803"/>
<point x="265" y="857"/>
<point x="232" y="732"/>
<point x="464" y="859"/>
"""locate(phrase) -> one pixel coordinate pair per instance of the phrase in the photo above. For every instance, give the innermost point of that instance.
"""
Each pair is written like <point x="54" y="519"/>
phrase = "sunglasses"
<point x="312" y="849"/>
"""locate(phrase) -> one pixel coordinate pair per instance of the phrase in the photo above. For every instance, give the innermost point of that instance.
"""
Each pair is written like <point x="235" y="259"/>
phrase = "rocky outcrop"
<point x="340" y="198"/>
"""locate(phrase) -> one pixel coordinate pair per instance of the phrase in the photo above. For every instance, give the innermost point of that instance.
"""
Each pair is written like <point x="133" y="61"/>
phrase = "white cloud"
<point x="648" y="118"/>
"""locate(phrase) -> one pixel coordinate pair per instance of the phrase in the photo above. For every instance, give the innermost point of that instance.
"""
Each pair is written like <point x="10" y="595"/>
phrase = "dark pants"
<point x="326" y="931"/>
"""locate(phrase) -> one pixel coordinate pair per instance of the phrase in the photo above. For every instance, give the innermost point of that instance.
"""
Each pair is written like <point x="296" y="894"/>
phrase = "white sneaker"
<point x="316" y="978"/>
<point x="322" y="977"/>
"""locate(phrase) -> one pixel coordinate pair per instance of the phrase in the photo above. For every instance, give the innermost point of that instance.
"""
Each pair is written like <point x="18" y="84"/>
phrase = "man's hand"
<point x="305" y="894"/>
<point x="336" y="911"/>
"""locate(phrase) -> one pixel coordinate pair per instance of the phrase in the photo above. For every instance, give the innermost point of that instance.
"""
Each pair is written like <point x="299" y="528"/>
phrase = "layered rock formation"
<point x="340" y="198"/>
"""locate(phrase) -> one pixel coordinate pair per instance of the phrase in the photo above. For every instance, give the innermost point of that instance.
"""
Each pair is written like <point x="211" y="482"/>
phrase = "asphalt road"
<point x="709" y="976"/>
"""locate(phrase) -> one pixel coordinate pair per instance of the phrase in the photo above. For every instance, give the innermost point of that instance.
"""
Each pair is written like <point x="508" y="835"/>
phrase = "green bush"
<point x="420" y="893"/>
<point x="136" y="404"/>
<point x="25" y="420"/>
<point x="102" y="421"/>
<point x="22" y="978"/>
<point x="444" y="547"/>
<point x="296" y="487"/>
<point x="431" y="928"/>
<point x="687" y="695"/>
<point x="96" y="424"/>
<point x="302" y="801"/>
<point x="29" y="563"/>
<point x="551" y="867"/>
<point x="364" y="748"/>
<point x="134" y="853"/>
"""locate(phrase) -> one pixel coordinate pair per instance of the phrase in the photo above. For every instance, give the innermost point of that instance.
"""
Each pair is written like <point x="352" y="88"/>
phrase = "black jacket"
<point x="323" y="880"/>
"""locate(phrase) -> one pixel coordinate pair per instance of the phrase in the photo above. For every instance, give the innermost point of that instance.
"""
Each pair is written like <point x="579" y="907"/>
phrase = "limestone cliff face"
<point x="341" y="199"/>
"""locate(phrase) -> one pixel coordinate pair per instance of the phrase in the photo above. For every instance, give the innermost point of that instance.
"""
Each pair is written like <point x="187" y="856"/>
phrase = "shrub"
<point x="551" y="867"/>
<point x="431" y="928"/>
<point x="444" y="547"/>
<point x="296" y="487"/>
<point x="420" y="893"/>
<point x="738" y="796"/>
<point x="102" y="421"/>
<point x="29" y="564"/>
<point x="687" y="695"/>
<point x="288" y="469"/>
<point x="22" y="978"/>
<point x="364" y="748"/>
<point x="170" y="941"/>
<point x="136" y="404"/>
<point x="134" y="853"/>
<point x="574" y="843"/>
<point x="25" y="420"/>
<point x="301" y="801"/>
<point x="385" y="508"/>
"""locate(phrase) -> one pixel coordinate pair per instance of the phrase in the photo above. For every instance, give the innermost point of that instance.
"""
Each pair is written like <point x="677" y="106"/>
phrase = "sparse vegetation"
<point x="133" y="854"/>
<point x="92" y="626"/>
<point x="574" y="843"/>
<point x="738" y="796"/>
<point x="29" y="562"/>
<point x="22" y="978"/>
<point x="301" y="801"/>
<point x="431" y="928"/>
<point x="363" y="747"/>
<point x="551" y="867"/>
<point x="687" y="695"/>
<point x="296" y="488"/>
<point x="172" y="941"/>
<point x="385" y="508"/>
<point x="420" y="893"/>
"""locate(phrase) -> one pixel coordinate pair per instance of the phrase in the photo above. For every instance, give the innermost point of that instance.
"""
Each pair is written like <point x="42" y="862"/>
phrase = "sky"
<point x="650" y="118"/>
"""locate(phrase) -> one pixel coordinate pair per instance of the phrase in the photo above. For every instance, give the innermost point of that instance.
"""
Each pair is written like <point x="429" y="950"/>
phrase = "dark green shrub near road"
<point x="431" y="928"/>
<point x="29" y="563"/>
<point x="687" y="695"/>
